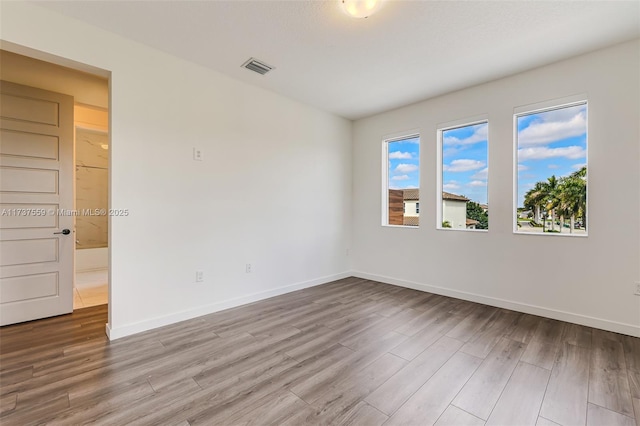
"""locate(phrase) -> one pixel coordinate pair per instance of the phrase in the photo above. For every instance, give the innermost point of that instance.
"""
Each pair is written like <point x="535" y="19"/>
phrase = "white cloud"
<point x="553" y="166"/>
<point x="397" y="155"/>
<point x="542" y="152"/>
<point x="522" y="167"/>
<point x="482" y="174"/>
<point x="406" y="168"/>
<point x="563" y="114"/>
<point x="403" y="187"/>
<point x="553" y="126"/>
<point x="479" y="135"/>
<point x="400" y="177"/>
<point x="477" y="183"/>
<point x="463" y="165"/>
<point x="452" y="185"/>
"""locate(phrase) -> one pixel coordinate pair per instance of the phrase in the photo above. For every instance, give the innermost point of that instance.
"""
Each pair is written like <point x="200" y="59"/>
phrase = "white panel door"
<point x="36" y="183"/>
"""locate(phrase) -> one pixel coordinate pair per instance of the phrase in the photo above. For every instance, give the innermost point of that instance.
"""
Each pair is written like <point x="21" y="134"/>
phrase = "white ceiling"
<point x="408" y="51"/>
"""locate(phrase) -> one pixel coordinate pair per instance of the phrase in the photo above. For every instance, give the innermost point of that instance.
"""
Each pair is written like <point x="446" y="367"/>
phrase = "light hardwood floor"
<point x="348" y="352"/>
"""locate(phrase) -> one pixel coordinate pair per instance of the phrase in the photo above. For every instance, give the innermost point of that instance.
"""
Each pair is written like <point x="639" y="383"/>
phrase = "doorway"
<point x="91" y="202"/>
<point x="85" y="281"/>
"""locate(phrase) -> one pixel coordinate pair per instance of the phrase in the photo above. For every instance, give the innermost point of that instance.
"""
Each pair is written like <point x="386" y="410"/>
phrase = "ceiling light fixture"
<point x="361" y="8"/>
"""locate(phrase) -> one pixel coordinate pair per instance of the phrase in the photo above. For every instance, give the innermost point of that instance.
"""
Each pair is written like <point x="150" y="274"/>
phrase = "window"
<point x="551" y="175"/>
<point x="401" y="182"/>
<point x="464" y="165"/>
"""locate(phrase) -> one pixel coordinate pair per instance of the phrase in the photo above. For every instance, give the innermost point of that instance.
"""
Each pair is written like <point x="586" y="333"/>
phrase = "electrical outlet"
<point x="199" y="276"/>
<point x="637" y="287"/>
<point x="247" y="268"/>
<point x="197" y="154"/>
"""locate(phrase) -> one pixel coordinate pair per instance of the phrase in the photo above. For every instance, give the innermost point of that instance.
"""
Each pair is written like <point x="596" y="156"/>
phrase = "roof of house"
<point x="454" y="197"/>
<point x="411" y="194"/>
<point x="414" y="194"/>
<point x="472" y="222"/>
<point x="411" y="220"/>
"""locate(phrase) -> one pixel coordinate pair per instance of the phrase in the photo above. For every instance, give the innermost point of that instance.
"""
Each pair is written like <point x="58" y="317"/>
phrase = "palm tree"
<point x="573" y="195"/>
<point x="582" y="175"/>
<point x="566" y="196"/>
<point x="534" y="199"/>
<point x="551" y="188"/>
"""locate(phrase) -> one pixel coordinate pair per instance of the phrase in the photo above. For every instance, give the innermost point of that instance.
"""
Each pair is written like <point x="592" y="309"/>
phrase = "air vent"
<point x="257" y="66"/>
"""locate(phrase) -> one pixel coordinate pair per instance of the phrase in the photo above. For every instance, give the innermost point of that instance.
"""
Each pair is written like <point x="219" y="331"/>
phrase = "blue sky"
<point x="404" y="161"/>
<point x="550" y="143"/>
<point x="464" y="161"/>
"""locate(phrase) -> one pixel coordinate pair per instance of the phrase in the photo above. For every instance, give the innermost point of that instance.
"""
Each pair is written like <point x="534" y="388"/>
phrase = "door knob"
<point x="63" y="232"/>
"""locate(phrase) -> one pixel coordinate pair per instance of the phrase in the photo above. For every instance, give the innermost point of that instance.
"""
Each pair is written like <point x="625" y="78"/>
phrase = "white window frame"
<point x="550" y="105"/>
<point x="410" y="134"/>
<point x="440" y="129"/>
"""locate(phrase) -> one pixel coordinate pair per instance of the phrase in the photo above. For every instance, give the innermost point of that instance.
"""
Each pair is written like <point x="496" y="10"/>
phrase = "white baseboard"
<point x="138" y="327"/>
<point x="617" y="327"/>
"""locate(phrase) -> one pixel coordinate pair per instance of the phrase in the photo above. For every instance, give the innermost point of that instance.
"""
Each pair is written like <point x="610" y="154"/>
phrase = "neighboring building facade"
<point x="411" y="203"/>
<point x="411" y="200"/>
<point x="404" y="209"/>
<point x="454" y="210"/>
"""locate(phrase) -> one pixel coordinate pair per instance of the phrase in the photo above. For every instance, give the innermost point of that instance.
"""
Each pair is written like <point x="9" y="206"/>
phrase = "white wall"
<point x="261" y="150"/>
<point x="585" y="280"/>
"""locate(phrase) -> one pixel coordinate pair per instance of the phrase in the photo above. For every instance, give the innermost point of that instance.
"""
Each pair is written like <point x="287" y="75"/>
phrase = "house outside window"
<point x="463" y="177"/>
<point x="551" y="169"/>
<point x="401" y="180"/>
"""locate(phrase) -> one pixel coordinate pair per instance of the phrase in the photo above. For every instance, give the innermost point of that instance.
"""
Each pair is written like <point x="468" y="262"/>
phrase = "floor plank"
<point x="336" y="404"/>
<point x="523" y="328"/>
<point x="566" y="399"/>
<point x="453" y="416"/>
<point x="490" y="334"/>
<point x="545" y="343"/>
<point x="599" y="416"/>
<point x="631" y="347"/>
<point x="414" y="345"/>
<point x="472" y="323"/>
<point x="363" y="414"/>
<point x="577" y="335"/>
<point x="8" y="403"/>
<point x="283" y="406"/>
<point x="395" y="391"/>
<point x="546" y="422"/>
<point x="609" y="382"/>
<point x="520" y="401"/>
<point x="481" y="393"/>
<point x="433" y="398"/>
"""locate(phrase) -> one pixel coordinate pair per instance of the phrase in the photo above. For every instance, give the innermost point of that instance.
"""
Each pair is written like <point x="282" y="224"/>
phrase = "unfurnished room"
<point x="320" y="212"/>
